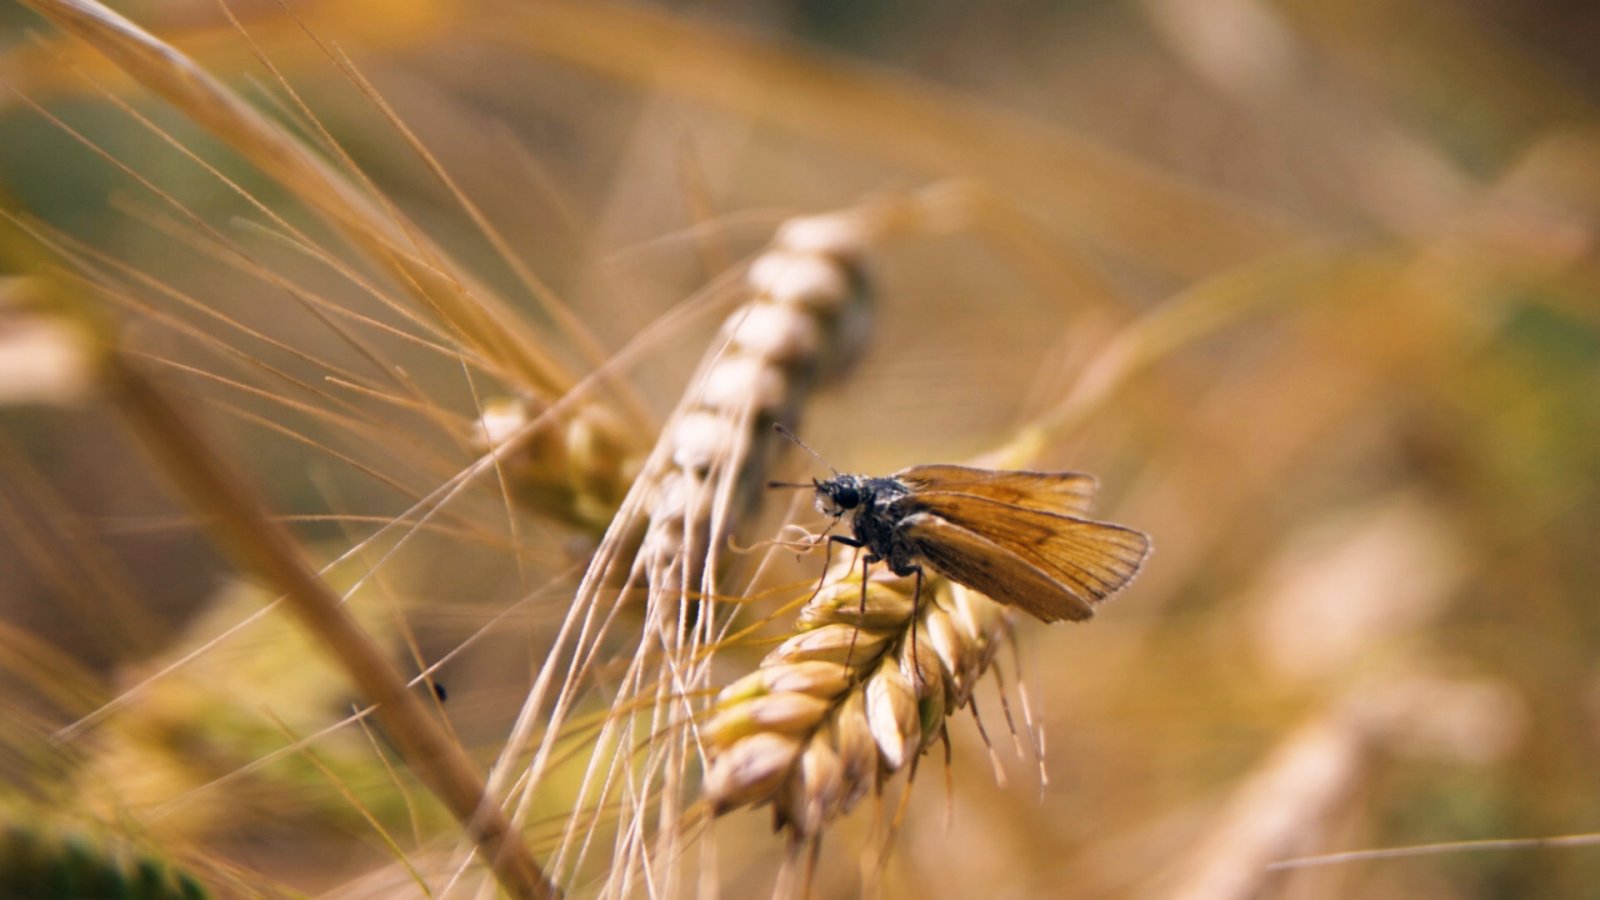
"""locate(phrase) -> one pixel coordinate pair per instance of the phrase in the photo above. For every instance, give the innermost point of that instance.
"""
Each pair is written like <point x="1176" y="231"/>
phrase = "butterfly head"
<point x="840" y="495"/>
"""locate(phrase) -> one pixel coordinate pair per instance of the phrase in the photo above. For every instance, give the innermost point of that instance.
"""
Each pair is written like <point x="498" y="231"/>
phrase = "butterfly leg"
<point x="866" y="563"/>
<point x="916" y="607"/>
<point x="827" y="560"/>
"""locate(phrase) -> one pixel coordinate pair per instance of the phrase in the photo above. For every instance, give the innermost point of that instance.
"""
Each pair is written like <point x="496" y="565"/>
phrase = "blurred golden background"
<point x="1313" y="289"/>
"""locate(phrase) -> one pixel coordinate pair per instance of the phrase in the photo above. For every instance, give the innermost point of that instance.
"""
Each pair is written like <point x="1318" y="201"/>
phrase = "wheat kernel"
<point x="803" y="280"/>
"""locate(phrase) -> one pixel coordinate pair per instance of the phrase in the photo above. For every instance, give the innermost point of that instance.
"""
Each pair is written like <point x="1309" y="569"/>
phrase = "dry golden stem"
<point x="241" y="524"/>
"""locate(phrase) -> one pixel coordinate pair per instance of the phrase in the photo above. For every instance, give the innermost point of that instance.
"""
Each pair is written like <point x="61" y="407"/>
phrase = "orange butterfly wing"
<point x="1054" y="566"/>
<point x="1069" y="493"/>
<point x="968" y="558"/>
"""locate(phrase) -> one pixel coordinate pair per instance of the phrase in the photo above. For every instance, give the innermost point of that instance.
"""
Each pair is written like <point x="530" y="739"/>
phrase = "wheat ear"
<point x="802" y="323"/>
<point x="851" y="698"/>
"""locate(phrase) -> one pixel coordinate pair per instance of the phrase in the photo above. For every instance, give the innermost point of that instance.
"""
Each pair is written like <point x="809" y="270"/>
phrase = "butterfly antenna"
<point x="778" y="427"/>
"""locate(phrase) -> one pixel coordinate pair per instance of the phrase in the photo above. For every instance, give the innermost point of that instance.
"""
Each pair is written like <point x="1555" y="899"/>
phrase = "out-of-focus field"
<point x="1312" y="288"/>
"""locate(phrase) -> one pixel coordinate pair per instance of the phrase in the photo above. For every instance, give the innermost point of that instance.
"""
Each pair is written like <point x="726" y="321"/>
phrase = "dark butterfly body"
<point x="1019" y="538"/>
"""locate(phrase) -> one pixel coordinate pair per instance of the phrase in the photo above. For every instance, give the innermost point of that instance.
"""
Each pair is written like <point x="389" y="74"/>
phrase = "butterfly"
<point x="1020" y="538"/>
